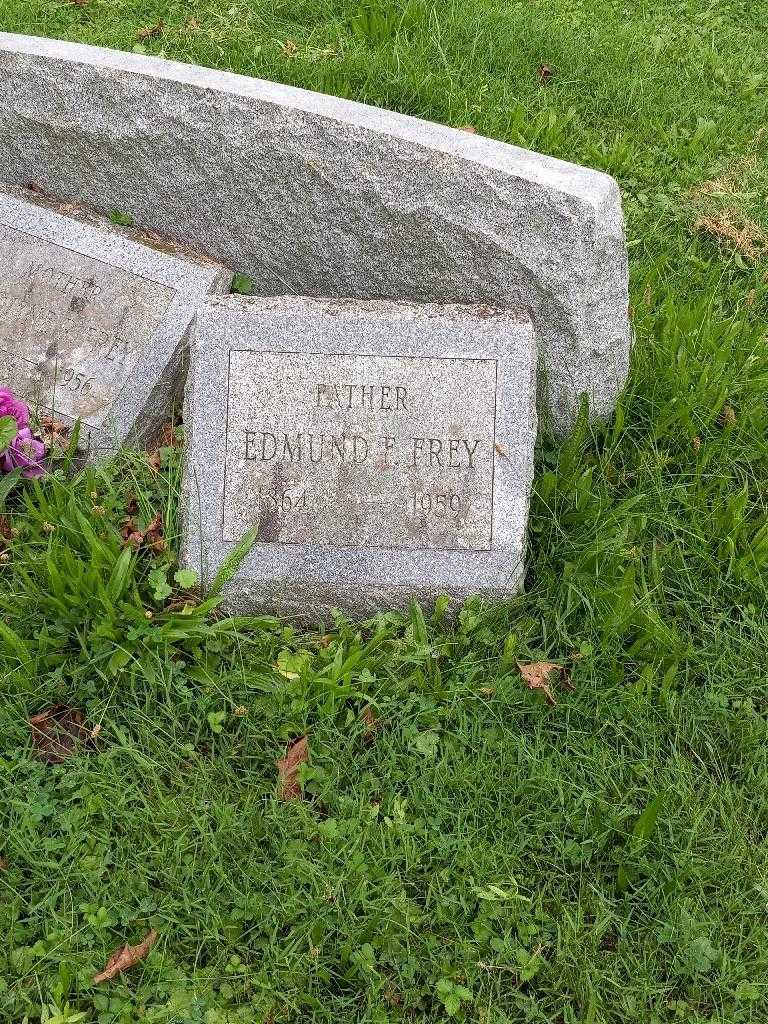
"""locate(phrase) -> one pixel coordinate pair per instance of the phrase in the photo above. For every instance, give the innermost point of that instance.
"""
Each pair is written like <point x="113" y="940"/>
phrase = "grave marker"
<point x="381" y="451"/>
<point x="92" y="322"/>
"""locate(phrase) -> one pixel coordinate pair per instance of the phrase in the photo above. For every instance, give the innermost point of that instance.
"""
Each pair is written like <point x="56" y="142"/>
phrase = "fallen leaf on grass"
<point x="370" y="722"/>
<point x="289" y="47"/>
<point x="536" y="676"/>
<point x="56" y="732"/>
<point x="468" y="128"/>
<point x="125" y="958"/>
<point x="54" y="427"/>
<point x="6" y="532"/>
<point x="727" y="416"/>
<point x="151" y="32"/>
<point x="152" y="536"/>
<point x="297" y="754"/>
<point x="544" y="74"/>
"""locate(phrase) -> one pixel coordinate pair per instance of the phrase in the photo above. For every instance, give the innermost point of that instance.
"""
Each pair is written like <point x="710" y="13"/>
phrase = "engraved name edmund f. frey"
<point x="360" y="451"/>
<point x="71" y="328"/>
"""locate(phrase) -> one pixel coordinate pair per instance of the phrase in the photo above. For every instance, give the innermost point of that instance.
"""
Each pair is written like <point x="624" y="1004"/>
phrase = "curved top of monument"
<point x="313" y="194"/>
<point x="581" y="182"/>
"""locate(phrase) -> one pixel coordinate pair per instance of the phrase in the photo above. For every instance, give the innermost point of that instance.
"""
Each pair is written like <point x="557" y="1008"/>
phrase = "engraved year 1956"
<point x="67" y="378"/>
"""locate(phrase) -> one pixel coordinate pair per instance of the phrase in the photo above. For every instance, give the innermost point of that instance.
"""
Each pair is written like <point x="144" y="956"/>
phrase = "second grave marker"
<point x="93" y="323"/>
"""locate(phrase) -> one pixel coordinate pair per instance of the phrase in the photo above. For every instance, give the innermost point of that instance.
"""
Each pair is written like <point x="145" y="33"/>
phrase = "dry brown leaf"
<point x="153" y="460"/>
<point x="544" y="74"/>
<point x="125" y="958"/>
<point x="370" y="722"/>
<point x="168" y="437"/>
<point x="727" y="417"/>
<point x="6" y="531"/>
<point x="53" y="428"/>
<point x="55" y="441"/>
<point x="297" y="754"/>
<point x="468" y="128"/>
<point x="152" y="536"/>
<point x="151" y="32"/>
<point x="537" y="674"/>
<point x="56" y="732"/>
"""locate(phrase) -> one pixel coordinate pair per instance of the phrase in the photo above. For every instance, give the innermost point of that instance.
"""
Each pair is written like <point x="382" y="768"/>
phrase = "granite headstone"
<point x="93" y="324"/>
<point x="381" y="451"/>
<point x="315" y="195"/>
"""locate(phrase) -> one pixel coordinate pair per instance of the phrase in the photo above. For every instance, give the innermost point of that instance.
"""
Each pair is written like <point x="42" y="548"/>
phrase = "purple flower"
<point x="10" y="405"/>
<point x="25" y="453"/>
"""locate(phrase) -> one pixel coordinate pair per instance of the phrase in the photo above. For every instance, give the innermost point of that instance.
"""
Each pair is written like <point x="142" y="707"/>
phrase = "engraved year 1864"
<point x="278" y="499"/>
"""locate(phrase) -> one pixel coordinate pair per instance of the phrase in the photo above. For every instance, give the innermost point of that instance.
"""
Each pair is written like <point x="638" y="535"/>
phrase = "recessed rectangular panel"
<point x="368" y="451"/>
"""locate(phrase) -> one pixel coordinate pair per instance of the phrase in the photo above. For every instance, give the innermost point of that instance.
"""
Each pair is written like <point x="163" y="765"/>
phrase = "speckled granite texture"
<point x="93" y="324"/>
<point x="382" y="451"/>
<point x="315" y="195"/>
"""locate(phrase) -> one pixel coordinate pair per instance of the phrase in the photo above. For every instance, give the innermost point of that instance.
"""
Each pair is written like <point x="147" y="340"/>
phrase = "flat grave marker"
<point x="381" y="450"/>
<point x="93" y="323"/>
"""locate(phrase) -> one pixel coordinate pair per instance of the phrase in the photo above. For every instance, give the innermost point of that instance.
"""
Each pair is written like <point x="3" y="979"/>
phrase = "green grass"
<point x="482" y="854"/>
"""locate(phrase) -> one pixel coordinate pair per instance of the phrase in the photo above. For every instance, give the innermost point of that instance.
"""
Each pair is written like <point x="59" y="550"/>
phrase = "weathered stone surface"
<point x="93" y="324"/>
<point x="382" y="450"/>
<point x="320" y="196"/>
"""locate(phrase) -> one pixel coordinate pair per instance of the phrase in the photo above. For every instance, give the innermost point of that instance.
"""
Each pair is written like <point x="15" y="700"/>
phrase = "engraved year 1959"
<point x="436" y="505"/>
